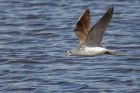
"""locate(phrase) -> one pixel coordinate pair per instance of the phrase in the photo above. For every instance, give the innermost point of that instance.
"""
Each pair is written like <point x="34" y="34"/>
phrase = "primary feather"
<point x="96" y="33"/>
<point x="82" y="27"/>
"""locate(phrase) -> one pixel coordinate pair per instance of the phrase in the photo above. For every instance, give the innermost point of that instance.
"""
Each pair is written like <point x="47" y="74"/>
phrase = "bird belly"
<point x="89" y="51"/>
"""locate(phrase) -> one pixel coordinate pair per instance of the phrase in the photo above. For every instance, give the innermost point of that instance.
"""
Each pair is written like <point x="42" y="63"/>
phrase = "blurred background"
<point x="35" y="34"/>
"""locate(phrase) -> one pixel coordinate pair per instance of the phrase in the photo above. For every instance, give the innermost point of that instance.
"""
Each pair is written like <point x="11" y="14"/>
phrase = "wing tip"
<point x="86" y="10"/>
<point x="110" y="9"/>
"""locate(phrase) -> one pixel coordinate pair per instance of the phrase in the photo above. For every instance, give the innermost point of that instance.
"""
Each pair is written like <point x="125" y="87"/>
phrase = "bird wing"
<point x="95" y="34"/>
<point x="82" y="27"/>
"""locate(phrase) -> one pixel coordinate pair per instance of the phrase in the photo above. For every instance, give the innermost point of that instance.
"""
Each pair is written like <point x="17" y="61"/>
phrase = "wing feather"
<point x="82" y="27"/>
<point x="96" y="33"/>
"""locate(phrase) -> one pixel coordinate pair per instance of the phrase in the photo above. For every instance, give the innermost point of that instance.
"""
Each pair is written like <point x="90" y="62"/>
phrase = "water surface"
<point x="35" y="34"/>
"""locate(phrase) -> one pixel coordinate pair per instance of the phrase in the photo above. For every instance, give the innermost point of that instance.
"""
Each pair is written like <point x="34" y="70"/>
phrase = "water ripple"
<point x="34" y="35"/>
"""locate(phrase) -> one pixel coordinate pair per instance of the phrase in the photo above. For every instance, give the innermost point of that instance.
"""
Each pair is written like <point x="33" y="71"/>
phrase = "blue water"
<point x="35" y="34"/>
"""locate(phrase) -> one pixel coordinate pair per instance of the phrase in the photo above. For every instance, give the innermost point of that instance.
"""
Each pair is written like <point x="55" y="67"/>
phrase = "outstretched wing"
<point x="82" y="27"/>
<point x="95" y="34"/>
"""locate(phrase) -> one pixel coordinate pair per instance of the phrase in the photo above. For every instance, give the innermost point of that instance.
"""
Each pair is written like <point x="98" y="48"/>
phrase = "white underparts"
<point x="95" y="49"/>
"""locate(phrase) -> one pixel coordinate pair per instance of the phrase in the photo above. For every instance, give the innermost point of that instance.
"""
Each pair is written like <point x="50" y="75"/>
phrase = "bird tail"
<point x="117" y="53"/>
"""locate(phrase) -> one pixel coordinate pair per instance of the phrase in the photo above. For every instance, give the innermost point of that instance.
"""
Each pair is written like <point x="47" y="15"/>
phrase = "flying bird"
<point x="90" y="38"/>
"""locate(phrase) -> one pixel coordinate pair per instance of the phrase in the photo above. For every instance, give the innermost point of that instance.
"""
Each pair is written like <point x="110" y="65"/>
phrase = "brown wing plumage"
<point x="95" y="34"/>
<point x="82" y="27"/>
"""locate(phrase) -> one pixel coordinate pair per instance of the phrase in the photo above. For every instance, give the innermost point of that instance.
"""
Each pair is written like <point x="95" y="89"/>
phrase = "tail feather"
<point x="115" y="53"/>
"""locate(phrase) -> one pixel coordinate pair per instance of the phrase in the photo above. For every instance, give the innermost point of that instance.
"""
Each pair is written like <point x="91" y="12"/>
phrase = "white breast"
<point x="95" y="49"/>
